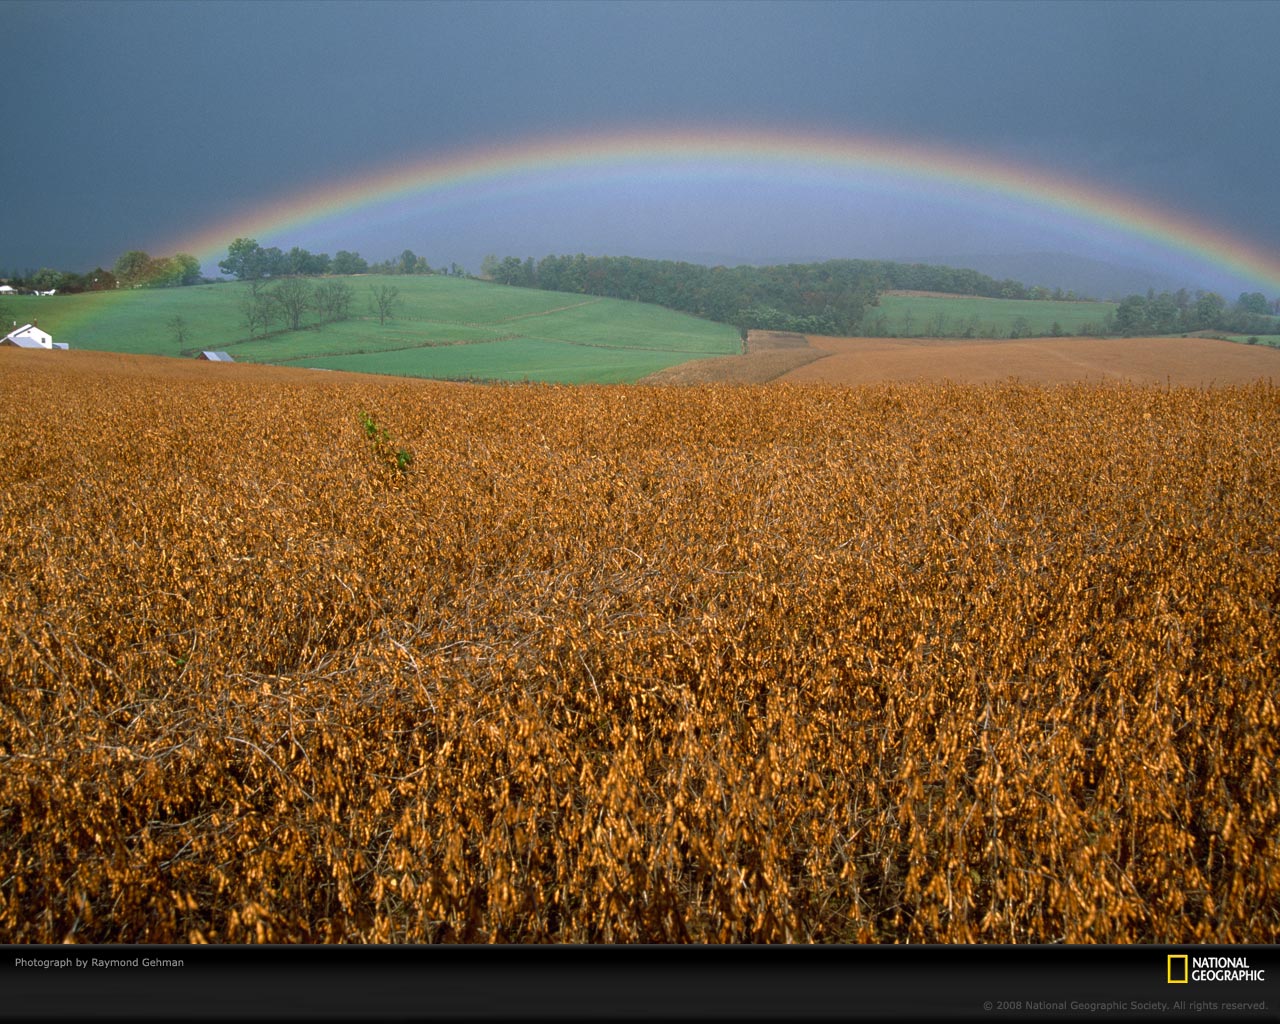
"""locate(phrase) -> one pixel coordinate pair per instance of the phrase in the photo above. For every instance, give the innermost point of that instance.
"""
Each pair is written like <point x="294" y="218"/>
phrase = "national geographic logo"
<point x="1184" y="968"/>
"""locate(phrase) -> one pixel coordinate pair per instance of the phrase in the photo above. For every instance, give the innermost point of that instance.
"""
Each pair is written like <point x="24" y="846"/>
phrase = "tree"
<point x="333" y="301"/>
<point x="1209" y="310"/>
<point x="308" y="264"/>
<point x="244" y="260"/>
<point x="274" y="263"/>
<point x="178" y="326"/>
<point x="173" y="271"/>
<point x="291" y="297"/>
<point x="408" y="262"/>
<point x="1131" y="315"/>
<point x="1253" y="302"/>
<point x="1162" y="314"/>
<point x="132" y="268"/>
<point x="186" y="268"/>
<point x="46" y="279"/>
<point x="73" y="283"/>
<point x="257" y="311"/>
<point x="383" y="301"/>
<point x="509" y="271"/>
<point x="348" y="263"/>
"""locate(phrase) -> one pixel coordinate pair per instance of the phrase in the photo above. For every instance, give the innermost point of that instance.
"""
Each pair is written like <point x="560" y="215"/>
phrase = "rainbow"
<point x="691" y="154"/>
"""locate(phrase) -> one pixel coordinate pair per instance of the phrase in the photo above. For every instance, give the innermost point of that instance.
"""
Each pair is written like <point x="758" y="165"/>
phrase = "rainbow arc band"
<point x="439" y="176"/>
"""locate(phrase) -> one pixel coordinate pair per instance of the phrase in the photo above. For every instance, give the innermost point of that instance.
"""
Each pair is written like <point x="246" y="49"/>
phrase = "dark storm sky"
<point x="128" y="124"/>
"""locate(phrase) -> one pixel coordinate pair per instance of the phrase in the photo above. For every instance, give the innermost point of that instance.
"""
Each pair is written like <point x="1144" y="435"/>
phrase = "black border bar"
<point x="633" y="983"/>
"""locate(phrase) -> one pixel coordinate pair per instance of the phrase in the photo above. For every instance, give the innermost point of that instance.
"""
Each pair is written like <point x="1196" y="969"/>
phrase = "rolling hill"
<point x="442" y="327"/>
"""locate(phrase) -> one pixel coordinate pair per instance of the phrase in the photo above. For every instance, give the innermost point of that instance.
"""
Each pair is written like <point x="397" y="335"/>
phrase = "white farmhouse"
<point x="28" y="336"/>
<point x="8" y="289"/>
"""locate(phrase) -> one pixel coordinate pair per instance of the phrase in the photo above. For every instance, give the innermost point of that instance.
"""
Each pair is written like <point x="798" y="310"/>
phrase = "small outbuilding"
<point x="215" y="357"/>
<point x="28" y="336"/>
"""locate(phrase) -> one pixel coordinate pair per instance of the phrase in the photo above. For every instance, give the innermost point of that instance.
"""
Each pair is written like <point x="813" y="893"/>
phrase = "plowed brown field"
<point x="930" y="663"/>
<point x="1189" y="361"/>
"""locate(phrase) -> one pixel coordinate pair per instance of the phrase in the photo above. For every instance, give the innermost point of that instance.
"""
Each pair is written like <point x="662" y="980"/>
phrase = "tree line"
<point x="816" y="298"/>
<point x="839" y="296"/>
<point x="248" y="261"/>
<point x="832" y="297"/>
<point x="1182" y="312"/>
<point x="134" y="269"/>
<point x="292" y="303"/>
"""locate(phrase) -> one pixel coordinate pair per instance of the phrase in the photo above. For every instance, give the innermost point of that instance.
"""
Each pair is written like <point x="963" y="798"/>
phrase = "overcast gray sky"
<point x="129" y="124"/>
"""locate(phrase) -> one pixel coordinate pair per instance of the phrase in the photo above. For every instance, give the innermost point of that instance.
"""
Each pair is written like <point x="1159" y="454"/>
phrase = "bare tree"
<point x="257" y="311"/>
<point x="292" y="296"/>
<point x="333" y="301"/>
<point x="385" y="299"/>
<point x="178" y="326"/>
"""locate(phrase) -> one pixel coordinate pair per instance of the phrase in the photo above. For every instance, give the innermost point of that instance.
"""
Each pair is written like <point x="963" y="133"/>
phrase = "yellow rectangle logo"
<point x="1178" y="969"/>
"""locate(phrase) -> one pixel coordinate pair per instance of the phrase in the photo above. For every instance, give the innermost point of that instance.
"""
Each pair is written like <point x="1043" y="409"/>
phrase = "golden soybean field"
<point x="897" y="663"/>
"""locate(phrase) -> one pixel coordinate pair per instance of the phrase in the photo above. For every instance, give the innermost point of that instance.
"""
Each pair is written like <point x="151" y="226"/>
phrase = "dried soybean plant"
<point x="894" y="663"/>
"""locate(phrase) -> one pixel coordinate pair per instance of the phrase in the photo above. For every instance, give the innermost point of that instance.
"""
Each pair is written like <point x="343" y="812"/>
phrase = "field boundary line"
<point x="623" y="348"/>
<point x="546" y="312"/>
<point x="402" y="348"/>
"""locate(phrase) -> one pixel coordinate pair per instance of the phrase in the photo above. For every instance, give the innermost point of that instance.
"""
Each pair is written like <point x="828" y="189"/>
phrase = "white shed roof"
<point x="28" y="333"/>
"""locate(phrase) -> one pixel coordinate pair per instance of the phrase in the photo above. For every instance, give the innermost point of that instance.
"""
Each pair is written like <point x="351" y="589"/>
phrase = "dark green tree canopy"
<point x="1253" y="302"/>
<point x="244" y="260"/>
<point x="348" y="263"/>
<point x="131" y="268"/>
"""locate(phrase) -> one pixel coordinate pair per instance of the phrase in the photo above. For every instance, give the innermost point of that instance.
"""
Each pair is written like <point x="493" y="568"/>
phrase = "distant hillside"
<point x="1086" y="277"/>
<point x="835" y="297"/>
<point x="960" y="316"/>
<point x="1089" y="278"/>
<point x="439" y="326"/>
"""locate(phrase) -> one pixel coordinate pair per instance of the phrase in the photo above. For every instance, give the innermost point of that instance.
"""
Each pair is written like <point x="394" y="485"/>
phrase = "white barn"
<point x="28" y="336"/>
<point x="216" y="357"/>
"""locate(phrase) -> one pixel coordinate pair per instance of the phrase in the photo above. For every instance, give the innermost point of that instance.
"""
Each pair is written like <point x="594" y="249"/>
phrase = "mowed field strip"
<point x="1181" y="361"/>
<point x="933" y="663"/>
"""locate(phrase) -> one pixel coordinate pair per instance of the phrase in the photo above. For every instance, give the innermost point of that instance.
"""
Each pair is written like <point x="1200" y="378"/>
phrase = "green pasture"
<point x="633" y="325"/>
<point x="135" y="320"/>
<point x="519" y="360"/>
<point x="975" y="317"/>
<point x="356" y="337"/>
<point x="441" y="327"/>
<point x="1270" y="340"/>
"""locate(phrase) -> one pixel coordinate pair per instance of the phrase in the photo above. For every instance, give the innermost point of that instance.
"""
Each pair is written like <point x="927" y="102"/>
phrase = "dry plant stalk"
<point x="879" y="664"/>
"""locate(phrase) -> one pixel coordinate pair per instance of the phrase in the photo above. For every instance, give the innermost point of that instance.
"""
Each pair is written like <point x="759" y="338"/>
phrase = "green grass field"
<point x="518" y="360"/>
<point x="962" y="316"/>
<point x="442" y="327"/>
<point x="1270" y="340"/>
